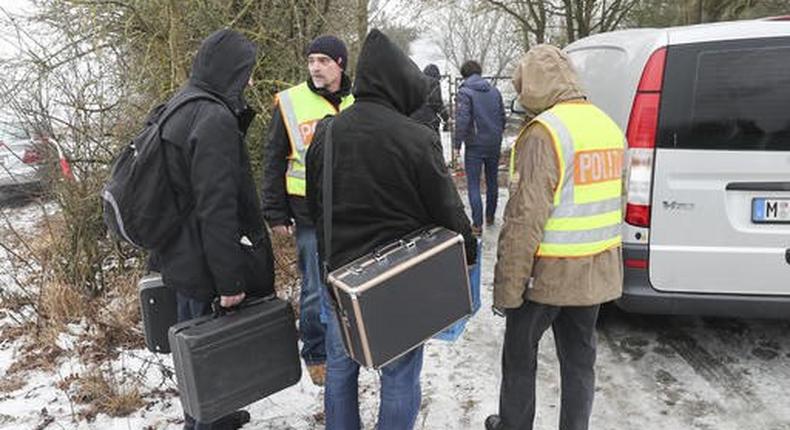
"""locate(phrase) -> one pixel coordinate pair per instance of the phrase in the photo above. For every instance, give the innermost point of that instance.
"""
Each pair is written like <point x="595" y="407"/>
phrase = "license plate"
<point x="766" y="211"/>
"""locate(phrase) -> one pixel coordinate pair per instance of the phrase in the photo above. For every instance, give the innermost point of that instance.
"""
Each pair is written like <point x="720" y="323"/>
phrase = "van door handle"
<point x="758" y="186"/>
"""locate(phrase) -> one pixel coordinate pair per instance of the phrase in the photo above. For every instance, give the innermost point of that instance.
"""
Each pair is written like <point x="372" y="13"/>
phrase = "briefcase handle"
<point x="219" y="311"/>
<point x="409" y="241"/>
<point x="379" y="253"/>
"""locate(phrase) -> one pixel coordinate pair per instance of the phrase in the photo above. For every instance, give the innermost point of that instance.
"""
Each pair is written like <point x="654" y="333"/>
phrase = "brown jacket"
<point x="543" y="78"/>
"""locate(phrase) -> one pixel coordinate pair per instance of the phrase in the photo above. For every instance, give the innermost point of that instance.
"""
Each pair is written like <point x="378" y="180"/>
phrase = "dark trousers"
<point x="574" y="336"/>
<point x="189" y="308"/>
<point x="475" y="162"/>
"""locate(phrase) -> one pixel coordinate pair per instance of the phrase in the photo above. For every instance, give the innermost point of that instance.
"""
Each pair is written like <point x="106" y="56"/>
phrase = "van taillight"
<point x="641" y="136"/>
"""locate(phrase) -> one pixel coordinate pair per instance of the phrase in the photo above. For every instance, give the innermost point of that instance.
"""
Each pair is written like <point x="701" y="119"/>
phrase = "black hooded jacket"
<point x="209" y="163"/>
<point x="434" y="108"/>
<point x="389" y="176"/>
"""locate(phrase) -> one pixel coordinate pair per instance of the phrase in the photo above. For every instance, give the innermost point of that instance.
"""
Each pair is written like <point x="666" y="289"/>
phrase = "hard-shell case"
<point x="396" y="298"/>
<point x="227" y="362"/>
<point x="158" y="312"/>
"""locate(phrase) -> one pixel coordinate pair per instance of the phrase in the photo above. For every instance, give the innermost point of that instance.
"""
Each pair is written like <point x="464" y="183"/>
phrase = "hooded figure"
<point x="208" y="162"/>
<point x="433" y="112"/>
<point x="389" y="179"/>
<point x="553" y="269"/>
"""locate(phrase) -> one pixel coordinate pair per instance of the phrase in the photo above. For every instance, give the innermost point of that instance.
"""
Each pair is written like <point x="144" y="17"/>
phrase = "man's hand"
<point x="282" y="230"/>
<point x="231" y="301"/>
<point x="500" y="312"/>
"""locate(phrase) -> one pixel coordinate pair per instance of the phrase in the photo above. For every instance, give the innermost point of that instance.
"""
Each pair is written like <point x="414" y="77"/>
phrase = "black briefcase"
<point x="158" y="312"/>
<point x="226" y="362"/>
<point x="393" y="300"/>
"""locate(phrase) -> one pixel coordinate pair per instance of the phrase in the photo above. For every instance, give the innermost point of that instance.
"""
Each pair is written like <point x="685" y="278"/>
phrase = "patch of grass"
<point x="103" y="392"/>
<point x="60" y="303"/>
<point x="36" y="358"/>
<point x="11" y="383"/>
<point x="286" y="272"/>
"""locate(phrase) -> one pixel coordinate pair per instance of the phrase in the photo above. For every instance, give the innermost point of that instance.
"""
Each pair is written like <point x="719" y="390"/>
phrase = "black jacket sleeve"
<point x="276" y="150"/>
<point x="437" y="105"/>
<point x="440" y="197"/>
<point x="214" y="173"/>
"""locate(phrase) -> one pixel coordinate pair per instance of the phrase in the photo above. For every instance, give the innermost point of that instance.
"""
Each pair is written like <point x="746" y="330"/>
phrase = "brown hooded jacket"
<point x="543" y="78"/>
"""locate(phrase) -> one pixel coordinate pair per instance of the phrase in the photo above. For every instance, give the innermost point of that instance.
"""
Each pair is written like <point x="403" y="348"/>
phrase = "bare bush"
<point x="84" y="75"/>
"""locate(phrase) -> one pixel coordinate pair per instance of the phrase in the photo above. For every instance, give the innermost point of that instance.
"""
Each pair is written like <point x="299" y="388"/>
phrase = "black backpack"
<point x="141" y="206"/>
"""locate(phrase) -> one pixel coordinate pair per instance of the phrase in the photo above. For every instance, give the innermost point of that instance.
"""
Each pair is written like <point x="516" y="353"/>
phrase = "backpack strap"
<point x="326" y="206"/>
<point x="179" y="102"/>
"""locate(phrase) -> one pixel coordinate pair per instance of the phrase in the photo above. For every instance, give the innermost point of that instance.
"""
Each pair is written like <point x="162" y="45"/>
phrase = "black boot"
<point x="232" y="421"/>
<point x="493" y="422"/>
<point x="189" y="422"/>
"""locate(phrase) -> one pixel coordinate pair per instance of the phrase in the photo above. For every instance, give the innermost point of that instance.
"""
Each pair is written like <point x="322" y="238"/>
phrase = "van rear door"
<point x="721" y="186"/>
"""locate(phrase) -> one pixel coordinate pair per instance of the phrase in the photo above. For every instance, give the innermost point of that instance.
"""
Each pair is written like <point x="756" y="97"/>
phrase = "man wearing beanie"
<point x="297" y="111"/>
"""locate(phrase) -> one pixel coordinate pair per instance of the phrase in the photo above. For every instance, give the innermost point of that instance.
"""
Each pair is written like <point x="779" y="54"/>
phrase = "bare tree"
<point x="468" y="32"/>
<point x="663" y="13"/>
<point x="578" y="18"/>
<point x="532" y="17"/>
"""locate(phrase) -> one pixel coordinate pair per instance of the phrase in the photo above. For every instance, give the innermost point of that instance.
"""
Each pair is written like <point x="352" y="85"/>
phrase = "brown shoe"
<point x="477" y="230"/>
<point x="317" y="373"/>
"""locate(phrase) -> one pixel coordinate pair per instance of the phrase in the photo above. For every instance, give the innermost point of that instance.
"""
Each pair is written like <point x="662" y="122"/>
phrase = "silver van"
<point x="706" y="110"/>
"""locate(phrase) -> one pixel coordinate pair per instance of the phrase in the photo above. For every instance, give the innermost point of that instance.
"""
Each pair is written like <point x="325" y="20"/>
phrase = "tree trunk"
<point x="362" y="20"/>
<point x="569" y="25"/>
<point x="175" y="42"/>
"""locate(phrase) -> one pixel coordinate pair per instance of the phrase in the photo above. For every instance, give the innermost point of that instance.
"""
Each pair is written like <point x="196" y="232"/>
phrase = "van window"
<point x="732" y="95"/>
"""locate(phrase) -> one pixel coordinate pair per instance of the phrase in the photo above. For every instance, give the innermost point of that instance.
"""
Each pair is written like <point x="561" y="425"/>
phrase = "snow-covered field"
<point x="653" y="373"/>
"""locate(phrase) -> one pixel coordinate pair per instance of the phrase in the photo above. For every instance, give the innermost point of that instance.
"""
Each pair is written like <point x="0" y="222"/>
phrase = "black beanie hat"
<point x="332" y="47"/>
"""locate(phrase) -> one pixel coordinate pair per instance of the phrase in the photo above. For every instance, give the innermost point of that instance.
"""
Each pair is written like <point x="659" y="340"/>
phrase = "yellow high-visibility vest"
<point x="301" y="110"/>
<point x="586" y="215"/>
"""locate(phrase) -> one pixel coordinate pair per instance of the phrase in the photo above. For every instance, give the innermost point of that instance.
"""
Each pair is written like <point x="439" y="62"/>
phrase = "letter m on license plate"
<point x="766" y="210"/>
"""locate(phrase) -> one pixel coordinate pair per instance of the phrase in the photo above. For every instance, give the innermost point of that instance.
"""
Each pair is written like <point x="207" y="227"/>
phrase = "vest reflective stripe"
<point x="586" y="217"/>
<point x="578" y="249"/>
<point x="586" y="209"/>
<point x="589" y="236"/>
<point x="301" y="110"/>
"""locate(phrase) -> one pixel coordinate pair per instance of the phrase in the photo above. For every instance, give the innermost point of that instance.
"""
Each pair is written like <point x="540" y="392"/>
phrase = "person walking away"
<point x="222" y="250"/>
<point x="433" y="112"/>
<point x="389" y="179"/>
<point x="291" y="130"/>
<point x="559" y="253"/>
<point x="479" y="124"/>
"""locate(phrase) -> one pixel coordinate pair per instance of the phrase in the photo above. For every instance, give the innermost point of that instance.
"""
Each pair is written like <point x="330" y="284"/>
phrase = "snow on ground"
<point x="653" y="373"/>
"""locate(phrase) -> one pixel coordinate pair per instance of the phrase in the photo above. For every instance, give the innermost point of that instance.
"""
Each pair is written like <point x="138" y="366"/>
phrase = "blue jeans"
<point x="475" y="162"/>
<point x="400" y="386"/>
<point x="311" y="328"/>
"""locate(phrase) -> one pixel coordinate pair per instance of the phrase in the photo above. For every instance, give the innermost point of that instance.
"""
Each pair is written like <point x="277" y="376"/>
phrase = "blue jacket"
<point x="480" y="115"/>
